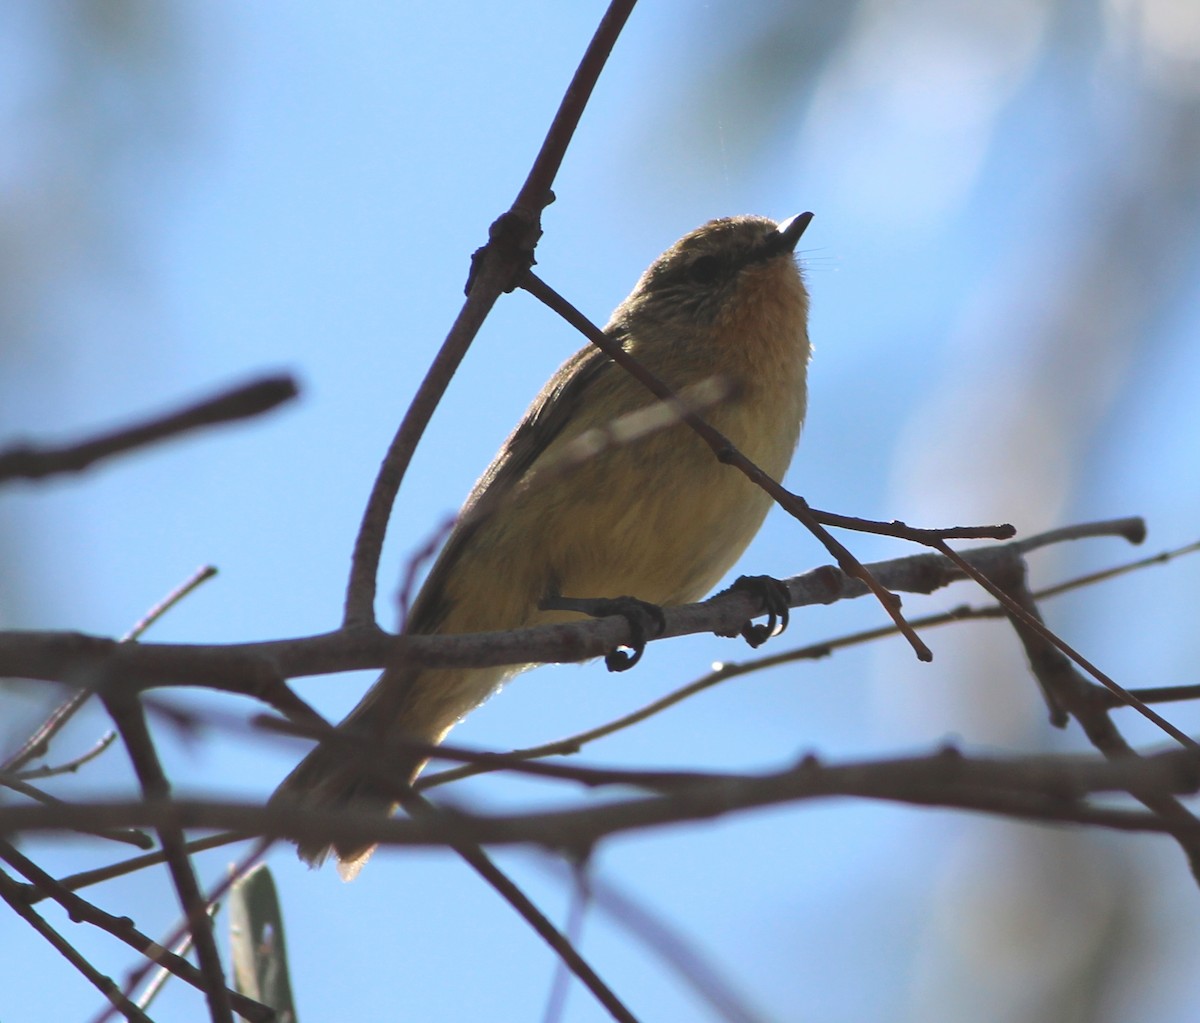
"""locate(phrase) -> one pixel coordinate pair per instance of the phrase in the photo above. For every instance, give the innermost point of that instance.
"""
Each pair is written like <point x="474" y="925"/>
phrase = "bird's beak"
<point x="788" y="233"/>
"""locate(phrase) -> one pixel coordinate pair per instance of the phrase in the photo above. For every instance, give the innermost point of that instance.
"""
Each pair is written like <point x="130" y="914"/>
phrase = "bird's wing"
<point x="550" y="415"/>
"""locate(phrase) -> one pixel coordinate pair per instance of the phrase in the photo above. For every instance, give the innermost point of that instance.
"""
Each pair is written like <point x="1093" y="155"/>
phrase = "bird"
<point x="658" y="519"/>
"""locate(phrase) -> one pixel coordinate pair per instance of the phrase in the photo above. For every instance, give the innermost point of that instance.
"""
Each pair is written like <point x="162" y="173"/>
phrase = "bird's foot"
<point x="645" y="620"/>
<point x="774" y="597"/>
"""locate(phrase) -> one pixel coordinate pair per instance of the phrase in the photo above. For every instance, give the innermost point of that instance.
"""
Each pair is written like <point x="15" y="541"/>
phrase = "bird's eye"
<point x="705" y="269"/>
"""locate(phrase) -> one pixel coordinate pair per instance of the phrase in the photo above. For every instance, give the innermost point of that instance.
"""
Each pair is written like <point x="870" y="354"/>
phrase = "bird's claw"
<point x="774" y="597"/>
<point x="646" y="621"/>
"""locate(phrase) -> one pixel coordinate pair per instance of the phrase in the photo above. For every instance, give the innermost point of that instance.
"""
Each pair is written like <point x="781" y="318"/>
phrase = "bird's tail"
<point x="353" y="773"/>
<point x="327" y="780"/>
<point x="362" y="770"/>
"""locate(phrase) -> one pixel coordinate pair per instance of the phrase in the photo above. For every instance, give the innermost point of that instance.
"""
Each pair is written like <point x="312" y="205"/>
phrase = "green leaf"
<point x="260" y="968"/>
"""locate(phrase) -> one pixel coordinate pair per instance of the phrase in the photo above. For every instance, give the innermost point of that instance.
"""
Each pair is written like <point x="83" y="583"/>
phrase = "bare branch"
<point x="10" y="893"/>
<point x="1049" y="788"/>
<point x="422" y="810"/>
<point x="120" y="927"/>
<point x="152" y="990"/>
<point x="209" y="900"/>
<point x="258" y="669"/>
<point x="241" y="402"/>
<point x="126" y="711"/>
<point x="125" y="835"/>
<point x="1027" y="621"/>
<point x="72" y="765"/>
<point x="39" y="743"/>
<point x="85" y="878"/>
<point x="495" y="268"/>
<point x="677" y="950"/>
<point x="1068" y="692"/>
<point x="172" y="599"/>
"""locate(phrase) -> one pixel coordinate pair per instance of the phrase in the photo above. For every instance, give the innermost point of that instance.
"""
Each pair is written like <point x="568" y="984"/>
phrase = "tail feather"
<point x="331" y="779"/>
<point x="361" y="770"/>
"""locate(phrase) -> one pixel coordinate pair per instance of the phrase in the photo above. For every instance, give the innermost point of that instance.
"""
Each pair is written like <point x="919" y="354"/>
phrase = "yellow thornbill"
<point x="658" y="519"/>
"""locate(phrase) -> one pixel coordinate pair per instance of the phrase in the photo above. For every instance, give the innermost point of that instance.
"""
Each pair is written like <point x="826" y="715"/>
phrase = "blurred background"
<point x="1006" y="301"/>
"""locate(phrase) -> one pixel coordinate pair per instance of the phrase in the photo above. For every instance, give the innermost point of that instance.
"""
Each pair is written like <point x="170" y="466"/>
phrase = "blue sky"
<point x="301" y="190"/>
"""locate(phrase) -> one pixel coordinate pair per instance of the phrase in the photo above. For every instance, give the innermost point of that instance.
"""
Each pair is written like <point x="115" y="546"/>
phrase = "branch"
<point x="10" y="893"/>
<point x="728" y="670"/>
<point x="675" y="948"/>
<point x="509" y="251"/>
<point x="121" y="928"/>
<point x="1028" y="621"/>
<point x="38" y="744"/>
<point x="210" y="901"/>
<point x="258" y="669"/>
<point x="17" y="784"/>
<point x="110" y="871"/>
<point x="422" y="810"/>
<point x="1069" y="693"/>
<point x="68" y="766"/>
<point x="152" y="990"/>
<point x="1050" y="788"/>
<point x="127" y="714"/>
<point x="241" y="402"/>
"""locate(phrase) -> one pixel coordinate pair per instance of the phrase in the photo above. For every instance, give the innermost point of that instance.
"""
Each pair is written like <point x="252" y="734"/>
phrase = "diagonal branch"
<point x="1068" y="692"/>
<point x="127" y="714"/>
<point x="495" y="267"/>
<point x="1028" y="622"/>
<point x="121" y="928"/>
<point x="10" y="893"/>
<point x="39" y="743"/>
<point x="421" y="809"/>
<point x="242" y="402"/>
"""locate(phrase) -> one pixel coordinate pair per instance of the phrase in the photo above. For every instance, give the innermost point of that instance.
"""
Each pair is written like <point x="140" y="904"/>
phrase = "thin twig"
<point x="359" y="746"/>
<point x="420" y="809"/>
<point x="535" y="192"/>
<point x="556" y="1001"/>
<point x="1161" y="558"/>
<point x="1156" y="694"/>
<point x="86" y="878"/>
<point x="188" y="586"/>
<point x="210" y="900"/>
<point x="675" y="949"/>
<point x="73" y="765"/>
<point x="241" y="402"/>
<point x="903" y="531"/>
<point x="1029" y="621"/>
<point x="10" y="893"/>
<point x="159" y="980"/>
<point x="1069" y="693"/>
<point x="126" y="835"/>
<point x="120" y="927"/>
<point x="38" y="743"/>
